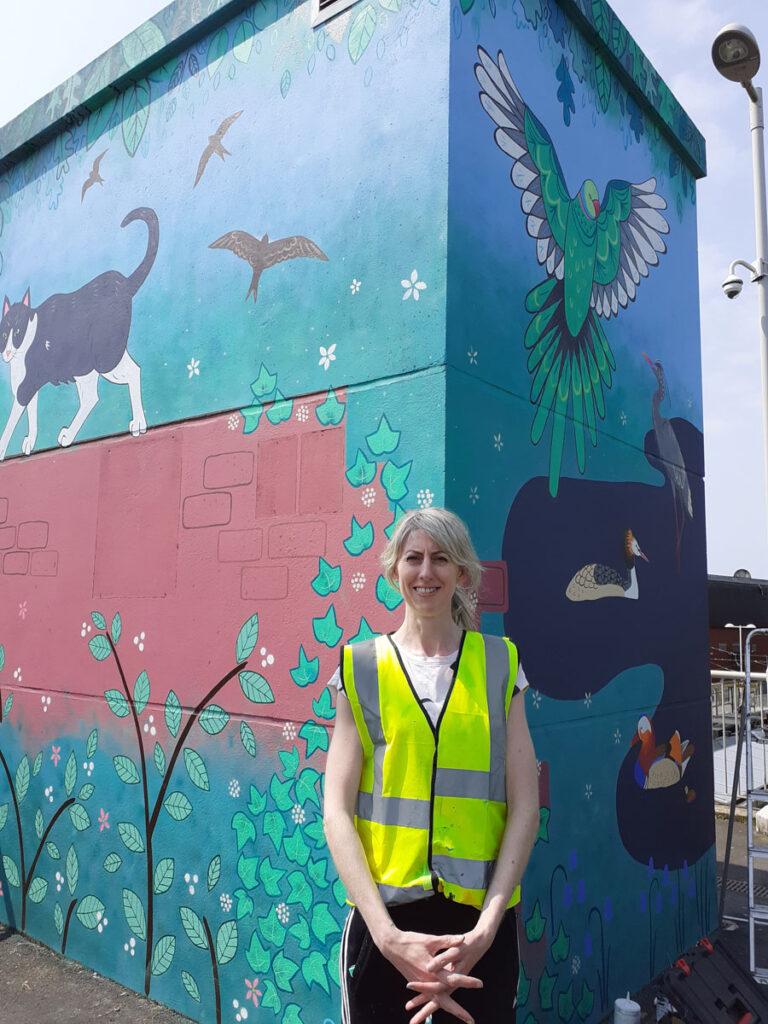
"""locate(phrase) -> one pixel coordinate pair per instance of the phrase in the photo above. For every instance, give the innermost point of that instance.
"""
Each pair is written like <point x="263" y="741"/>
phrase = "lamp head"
<point x="735" y="54"/>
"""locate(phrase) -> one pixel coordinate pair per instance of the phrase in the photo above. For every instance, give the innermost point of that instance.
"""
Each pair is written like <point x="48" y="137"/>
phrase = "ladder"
<point x="757" y="912"/>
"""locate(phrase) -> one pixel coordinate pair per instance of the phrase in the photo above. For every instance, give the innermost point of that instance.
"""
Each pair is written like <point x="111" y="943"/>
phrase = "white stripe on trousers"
<point x="343" y="969"/>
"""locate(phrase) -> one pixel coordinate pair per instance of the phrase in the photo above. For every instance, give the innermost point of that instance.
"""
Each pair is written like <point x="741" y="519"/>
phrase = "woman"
<point x="431" y="796"/>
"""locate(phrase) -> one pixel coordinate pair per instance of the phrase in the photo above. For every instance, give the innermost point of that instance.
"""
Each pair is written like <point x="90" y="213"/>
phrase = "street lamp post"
<point x="740" y="626"/>
<point x="736" y="56"/>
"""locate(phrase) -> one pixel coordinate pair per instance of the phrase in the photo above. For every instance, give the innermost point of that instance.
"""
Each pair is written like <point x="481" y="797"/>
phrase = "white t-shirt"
<point x="431" y="677"/>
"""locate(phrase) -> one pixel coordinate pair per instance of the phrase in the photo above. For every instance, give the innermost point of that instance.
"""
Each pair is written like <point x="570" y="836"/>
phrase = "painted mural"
<point x="326" y="308"/>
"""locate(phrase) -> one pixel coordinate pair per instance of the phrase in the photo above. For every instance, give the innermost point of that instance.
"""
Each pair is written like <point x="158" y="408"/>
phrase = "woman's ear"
<point x="463" y="580"/>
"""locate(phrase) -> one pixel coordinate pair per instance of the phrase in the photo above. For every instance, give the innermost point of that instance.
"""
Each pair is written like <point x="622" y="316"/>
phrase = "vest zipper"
<point x="435" y="732"/>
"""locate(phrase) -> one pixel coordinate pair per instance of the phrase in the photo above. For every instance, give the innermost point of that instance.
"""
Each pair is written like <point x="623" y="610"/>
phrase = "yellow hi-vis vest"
<point x="431" y="806"/>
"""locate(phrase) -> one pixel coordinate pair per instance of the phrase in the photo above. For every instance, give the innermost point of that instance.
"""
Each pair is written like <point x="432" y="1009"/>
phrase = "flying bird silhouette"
<point x="215" y="144"/>
<point x="263" y="254"/>
<point x="93" y="177"/>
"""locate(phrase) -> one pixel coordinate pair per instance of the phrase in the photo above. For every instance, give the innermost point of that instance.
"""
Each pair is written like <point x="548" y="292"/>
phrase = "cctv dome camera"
<point x="732" y="286"/>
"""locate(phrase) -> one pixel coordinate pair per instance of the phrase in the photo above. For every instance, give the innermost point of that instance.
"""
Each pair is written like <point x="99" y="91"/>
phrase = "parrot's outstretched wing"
<point x="629" y="241"/>
<point x="536" y="169"/>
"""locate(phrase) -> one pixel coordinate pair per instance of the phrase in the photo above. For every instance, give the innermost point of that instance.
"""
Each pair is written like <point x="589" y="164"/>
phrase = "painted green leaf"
<point x="317" y="872"/>
<point x="586" y="1002"/>
<point x="284" y="969"/>
<point x="257" y="801"/>
<point x="466" y="5"/>
<point x="387" y="594"/>
<point x="285" y="83"/>
<point x="565" y="1004"/>
<point x="141" y="692"/>
<point x="384" y="439"/>
<point x="271" y="999"/>
<point x="255" y="688"/>
<point x="2" y="657"/>
<point x="243" y="41"/>
<point x="361" y="471"/>
<point x="328" y="579"/>
<point x="257" y="956"/>
<point x="300" y="932"/>
<point x="393" y="479"/>
<point x="90" y="910"/>
<point x="292" y="1015"/>
<point x="270" y="877"/>
<point x="172" y="713"/>
<point x="315" y="736"/>
<point x="72" y="870"/>
<point x="3" y="815"/>
<point x="86" y="791"/>
<point x="37" y="763"/>
<point x="196" y="769"/>
<point x="331" y="412"/>
<point x="21" y="781"/>
<point x="163" y="877"/>
<point x="243" y="904"/>
<point x="296" y="848"/>
<point x="243" y="828"/>
<point x="178" y="806"/>
<point x="213" y="719"/>
<point x="364" y="632"/>
<point x="339" y="892"/>
<point x="602" y="83"/>
<point x="70" y="774"/>
<point x="534" y="926"/>
<point x="274" y="828"/>
<point x="99" y="647"/>
<point x="326" y="629"/>
<point x="601" y="19"/>
<point x="162" y="954"/>
<point x="247" y="638"/>
<point x="126" y="769"/>
<point x="193" y="926"/>
<point x="290" y="762"/>
<point x="134" y="114"/>
<point x="248" y="739"/>
<point x="281" y="793"/>
<point x="546" y="988"/>
<point x="216" y="50"/>
<point x="159" y="759"/>
<point x="131" y="837"/>
<point x="247" y="868"/>
<point x="323" y="706"/>
<point x="39" y="823"/>
<point x="264" y="384"/>
<point x="323" y="922"/>
<point x="117" y="625"/>
<point x="79" y="817"/>
<point x="112" y="862"/>
<point x="271" y="928"/>
<point x="560" y="947"/>
<point x="11" y="871"/>
<point x="251" y="415"/>
<point x="38" y="887"/>
<point x="333" y="962"/>
<point x="306" y="787"/>
<point x="58" y="919"/>
<point x="361" y="32"/>
<point x="307" y="670"/>
<point x="281" y="409"/>
<point x="543" y="833"/>
<point x="313" y="970"/>
<point x="141" y="44"/>
<point x="214" y="872"/>
<point x="52" y="850"/>
<point x="360" y="539"/>
<point x="134" y="914"/>
<point x="98" y="620"/>
<point x="118" y="705"/>
<point x="190" y="985"/>
<point x="300" y="891"/>
<point x="8" y="705"/>
<point x="523" y="987"/>
<point x="226" y="942"/>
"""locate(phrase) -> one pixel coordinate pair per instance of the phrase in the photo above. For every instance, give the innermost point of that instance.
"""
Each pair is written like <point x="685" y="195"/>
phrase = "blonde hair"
<point x="451" y="535"/>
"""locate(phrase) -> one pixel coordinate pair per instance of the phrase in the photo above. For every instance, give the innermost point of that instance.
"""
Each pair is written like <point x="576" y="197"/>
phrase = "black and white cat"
<point x="76" y="338"/>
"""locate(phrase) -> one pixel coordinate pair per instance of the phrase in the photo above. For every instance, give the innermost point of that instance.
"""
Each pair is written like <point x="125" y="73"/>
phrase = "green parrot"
<point x="595" y="254"/>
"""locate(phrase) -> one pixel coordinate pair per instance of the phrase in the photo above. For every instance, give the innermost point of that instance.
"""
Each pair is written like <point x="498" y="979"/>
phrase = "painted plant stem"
<point x="560" y="868"/>
<point x="28" y="878"/>
<point x="214" y="968"/>
<point x="70" y="909"/>
<point x="18" y="829"/>
<point x="602" y="975"/>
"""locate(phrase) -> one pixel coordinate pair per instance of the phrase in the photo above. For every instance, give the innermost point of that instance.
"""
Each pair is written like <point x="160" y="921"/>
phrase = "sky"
<point x="677" y="37"/>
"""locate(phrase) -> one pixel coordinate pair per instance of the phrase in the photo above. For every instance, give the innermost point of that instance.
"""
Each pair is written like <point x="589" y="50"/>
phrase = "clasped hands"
<point x="435" y="965"/>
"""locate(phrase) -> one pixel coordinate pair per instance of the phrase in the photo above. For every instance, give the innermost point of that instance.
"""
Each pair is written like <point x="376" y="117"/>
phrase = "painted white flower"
<point x="538" y="767"/>
<point x="576" y="965"/>
<point x="412" y="286"/>
<point x="190" y="881"/>
<point x="424" y="498"/>
<point x="617" y="736"/>
<point x="103" y="922"/>
<point x="241" y="1012"/>
<point x="358" y="580"/>
<point x="130" y="946"/>
<point x="623" y="418"/>
<point x="233" y="422"/>
<point x="472" y="356"/>
<point x="474" y="495"/>
<point x="368" y="496"/>
<point x="289" y="731"/>
<point x="88" y="767"/>
<point x="302" y="413"/>
<point x="85" y="629"/>
<point x="48" y="791"/>
<point x="193" y="368"/>
<point x="266" y="658"/>
<point x="298" y="815"/>
<point x="45" y="701"/>
<point x="327" y="356"/>
<point x="150" y="727"/>
<point x="139" y="640"/>
<point x="283" y="913"/>
<point x="498" y="442"/>
<point x="536" y="698"/>
<point x="225" y="901"/>
<point x="588" y="791"/>
<point x="587" y="699"/>
<point x="17" y="674"/>
<point x="22" y="609"/>
<point x="234" y="788"/>
<point x="59" y="881"/>
<point x="355" y="286"/>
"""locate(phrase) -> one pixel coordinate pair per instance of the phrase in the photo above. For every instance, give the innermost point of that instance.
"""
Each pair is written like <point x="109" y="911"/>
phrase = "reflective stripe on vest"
<point x="431" y="806"/>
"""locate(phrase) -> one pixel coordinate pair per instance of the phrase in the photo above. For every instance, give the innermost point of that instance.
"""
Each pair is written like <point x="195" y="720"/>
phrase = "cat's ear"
<point x="25" y="300"/>
<point x="6" y="305"/>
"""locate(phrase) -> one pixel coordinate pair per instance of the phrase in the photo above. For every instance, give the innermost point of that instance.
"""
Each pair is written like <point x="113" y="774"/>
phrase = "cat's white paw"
<point x="66" y="437"/>
<point x="138" y="426"/>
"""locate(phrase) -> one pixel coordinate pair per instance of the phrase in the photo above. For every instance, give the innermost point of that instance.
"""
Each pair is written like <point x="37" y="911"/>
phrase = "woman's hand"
<point x="450" y="969"/>
<point x="412" y="952"/>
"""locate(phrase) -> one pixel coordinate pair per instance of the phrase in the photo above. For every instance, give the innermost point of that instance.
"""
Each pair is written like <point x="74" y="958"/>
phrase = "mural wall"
<point x="282" y="281"/>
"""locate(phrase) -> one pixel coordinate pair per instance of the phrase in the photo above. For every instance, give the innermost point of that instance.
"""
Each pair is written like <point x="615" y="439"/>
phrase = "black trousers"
<point x="374" y="992"/>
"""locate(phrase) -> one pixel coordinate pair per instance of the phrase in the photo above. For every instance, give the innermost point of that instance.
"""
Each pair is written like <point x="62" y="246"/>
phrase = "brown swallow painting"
<point x="215" y="145"/>
<point x="94" y="177"/>
<point x="262" y="254"/>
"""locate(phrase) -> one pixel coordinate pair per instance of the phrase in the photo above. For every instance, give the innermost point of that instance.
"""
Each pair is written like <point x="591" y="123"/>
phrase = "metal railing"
<point x="726" y="695"/>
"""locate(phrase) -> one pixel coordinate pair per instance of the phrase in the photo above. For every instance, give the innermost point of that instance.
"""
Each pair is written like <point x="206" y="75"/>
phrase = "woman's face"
<point x="427" y="577"/>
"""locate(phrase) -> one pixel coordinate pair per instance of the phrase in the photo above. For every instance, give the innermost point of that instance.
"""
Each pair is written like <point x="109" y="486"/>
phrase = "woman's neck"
<point x="428" y="636"/>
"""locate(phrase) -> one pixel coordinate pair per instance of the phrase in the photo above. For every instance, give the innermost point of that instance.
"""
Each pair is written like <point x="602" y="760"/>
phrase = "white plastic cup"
<point x="626" y="1011"/>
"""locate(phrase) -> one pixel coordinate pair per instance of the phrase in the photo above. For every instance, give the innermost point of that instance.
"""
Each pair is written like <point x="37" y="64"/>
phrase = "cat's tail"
<point x="137" y="278"/>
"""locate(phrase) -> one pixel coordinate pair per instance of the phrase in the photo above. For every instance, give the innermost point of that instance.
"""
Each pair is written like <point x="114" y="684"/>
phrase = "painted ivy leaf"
<point x="8" y="705"/>
<point x="323" y="706"/>
<point x="90" y="911"/>
<point x="565" y="1004"/>
<point x="331" y="412"/>
<point x="314" y="829"/>
<point x="72" y="870"/>
<point x="523" y="987"/>
<point x="118" y="705"/>
<point x="141" y="692"/>
<point x="361" y="32"/>
<point x="284" y="970"/>
<point x="270" y="877"/>
<point x="190" y="985"/>
<point x="307" y="670"/>
<point x="214" y="872"/>
<point x="387" y="594"/>
<point x="339" y="892"/>
<point x="546" y="987"/>
<point x="364" y="632"/>
<point x="163" y="877"/>
<point x="172" y="713"/>
<point x="131" y="837"/>
<point x="247" y="868"/>
<point x="117" y="625"/>
<point x="534" y="926"/>
<point x="226" y="942"/>
<point x="315" y="736"/>
<point x="244" y="904"/>
<point x="112" y="862"/>
<point x="361" y="471"/>
<point x="37" y="763"/>
<point x="21" y="781"/>
<point x="92" y="743"/>
<point x="292" y="1015"/>
<point x="543" y="833"/>
<point x="98" y="620"/>
<point x="248" y="739"/>
<point x="300" y="932"/>
<point x="134" y="114"/>
<point x="296" y="848"/>
<point x="52" y="850"/>
<point x="317" y="872"/>
<point x="251" y="416"/>
<point x="323" y="922"/>
<point x="561" y="946"/>
<point x="243" y="41"/>
<point x="126" y="769"/>
<point x="257" y="801"/>
<point x="243" y="828"/>
<point x="274" y="828"/>
<point x="196" y="769"/>
<point x="399" y="512"/>
<point x="328" y="579"/>
<point x="159" y="759"/>
<point x="177" y="805"/>
<point x="271" y="998"/>
<point x="58" y="919"/>
<point x="306" y="787"/>
<point x="257" y="956"/>
<point x="99" y="647"/>
<point x="79" y="817"/>
<point x="3" y="815"/>
<point x="272" y="929"/>
<point x="360" y="538"/>
<point x="213" y="719"/>
<point x="384" y="439"/>
<point x="586" y="1002"/>
<point x="134" y="914"/>
<point x="37" y="889"/>
<point x="193" y="926"/>
<point x="255" y="688"/>
<point x="39" y="823"/>
<point x="313" y="970"/>
<point x="264" y="384"/>
<point x="333" y="962"/>
<point x="216" y="50"/>
<point x="281" y="409"/>
<point x="290" y="762"/>
<point x="247" y="638"/>
<point x="162" y="955"/>
<point x="281" y="793"/>
<point x="326" y="629"/>
<point x="392" y="5"/>
<point x="11" y="871"/>
<point x="394" y="480"/>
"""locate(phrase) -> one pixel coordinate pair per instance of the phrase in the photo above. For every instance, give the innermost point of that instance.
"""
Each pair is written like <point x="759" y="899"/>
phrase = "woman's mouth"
<point x="425" y="590"/>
